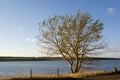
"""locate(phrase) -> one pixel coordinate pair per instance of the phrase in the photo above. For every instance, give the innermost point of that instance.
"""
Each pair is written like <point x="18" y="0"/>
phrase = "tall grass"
<point x="78" y="76"/>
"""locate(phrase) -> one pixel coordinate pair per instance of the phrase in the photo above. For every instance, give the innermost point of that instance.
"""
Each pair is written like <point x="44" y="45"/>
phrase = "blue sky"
<point x="19" y="22"/>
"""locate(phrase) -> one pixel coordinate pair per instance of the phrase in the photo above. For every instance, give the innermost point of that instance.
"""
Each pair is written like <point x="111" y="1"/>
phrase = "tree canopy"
<point x="74" y="37"/>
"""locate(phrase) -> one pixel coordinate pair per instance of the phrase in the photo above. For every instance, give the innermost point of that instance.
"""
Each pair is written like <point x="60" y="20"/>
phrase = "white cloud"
<point x="111" y="10"/>
<point x="30" y="39"/>
<point x="112" y="50"/>
<point x="20" y="49"/>
<point x="19" y="28"/>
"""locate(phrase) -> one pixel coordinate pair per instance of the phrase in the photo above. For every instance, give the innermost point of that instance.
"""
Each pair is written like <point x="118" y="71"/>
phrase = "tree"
<point x="74" y="37"/>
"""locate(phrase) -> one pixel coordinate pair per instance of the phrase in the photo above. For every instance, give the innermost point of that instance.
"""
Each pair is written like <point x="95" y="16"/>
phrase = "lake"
<point x="47" y="67"/>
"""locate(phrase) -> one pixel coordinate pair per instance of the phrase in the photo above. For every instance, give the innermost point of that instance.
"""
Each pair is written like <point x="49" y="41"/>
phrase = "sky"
<point x="19" y="23"/>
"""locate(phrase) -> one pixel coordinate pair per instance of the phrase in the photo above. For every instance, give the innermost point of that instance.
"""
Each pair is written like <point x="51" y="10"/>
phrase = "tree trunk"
<point x="71" y="68"/>
<point x="77" y="64"/>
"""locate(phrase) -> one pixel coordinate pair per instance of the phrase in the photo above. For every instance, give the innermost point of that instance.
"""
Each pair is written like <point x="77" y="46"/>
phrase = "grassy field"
<point x="78" y="76"/>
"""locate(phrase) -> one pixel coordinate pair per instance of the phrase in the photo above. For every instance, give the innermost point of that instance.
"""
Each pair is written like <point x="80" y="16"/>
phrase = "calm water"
<point x="48" y="67"/>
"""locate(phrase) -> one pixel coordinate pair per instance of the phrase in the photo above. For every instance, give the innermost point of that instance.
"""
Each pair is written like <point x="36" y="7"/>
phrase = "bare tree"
<point x="74" y="37"/>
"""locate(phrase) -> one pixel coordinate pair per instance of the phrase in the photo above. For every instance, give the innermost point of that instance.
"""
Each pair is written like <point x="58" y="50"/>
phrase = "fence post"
<point x="58" y="72"/>
<point x="31" y="74"/>
<point x="115" y="68"/>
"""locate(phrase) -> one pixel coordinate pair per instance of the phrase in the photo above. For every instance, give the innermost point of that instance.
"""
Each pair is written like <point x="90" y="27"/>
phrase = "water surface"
<point x="47" y="67"/>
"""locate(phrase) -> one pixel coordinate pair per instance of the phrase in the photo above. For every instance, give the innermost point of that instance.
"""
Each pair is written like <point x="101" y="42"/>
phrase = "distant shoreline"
<point x="46" y="58"/>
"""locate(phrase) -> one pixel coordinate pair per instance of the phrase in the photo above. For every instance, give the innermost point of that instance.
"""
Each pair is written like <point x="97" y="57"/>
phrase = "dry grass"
<point x="89" y="74"/>
<point x="78" y="76"/>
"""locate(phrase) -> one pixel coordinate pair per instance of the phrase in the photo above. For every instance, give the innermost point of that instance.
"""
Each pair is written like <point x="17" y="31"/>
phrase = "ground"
<point x="91" y="76"/>
<point x="105" y="77"/>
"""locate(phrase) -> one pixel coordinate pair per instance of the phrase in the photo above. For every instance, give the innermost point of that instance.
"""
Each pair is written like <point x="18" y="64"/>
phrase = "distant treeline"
<point x="45" y="58"/>
<point x="29" y="58"/>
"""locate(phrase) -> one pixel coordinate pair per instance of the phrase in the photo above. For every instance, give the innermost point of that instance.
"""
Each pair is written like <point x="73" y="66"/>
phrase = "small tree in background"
<point x="74" y="37"/>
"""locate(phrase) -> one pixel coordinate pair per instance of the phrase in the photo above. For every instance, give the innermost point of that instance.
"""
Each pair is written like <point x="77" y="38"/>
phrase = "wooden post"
<point x="30" y="74"/>
<point x="58" y="72"/>
<point x="115" y="68"/>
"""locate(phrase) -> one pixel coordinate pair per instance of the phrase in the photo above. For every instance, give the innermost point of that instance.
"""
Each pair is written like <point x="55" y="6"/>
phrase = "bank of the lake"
<point x="94" y="75"/>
